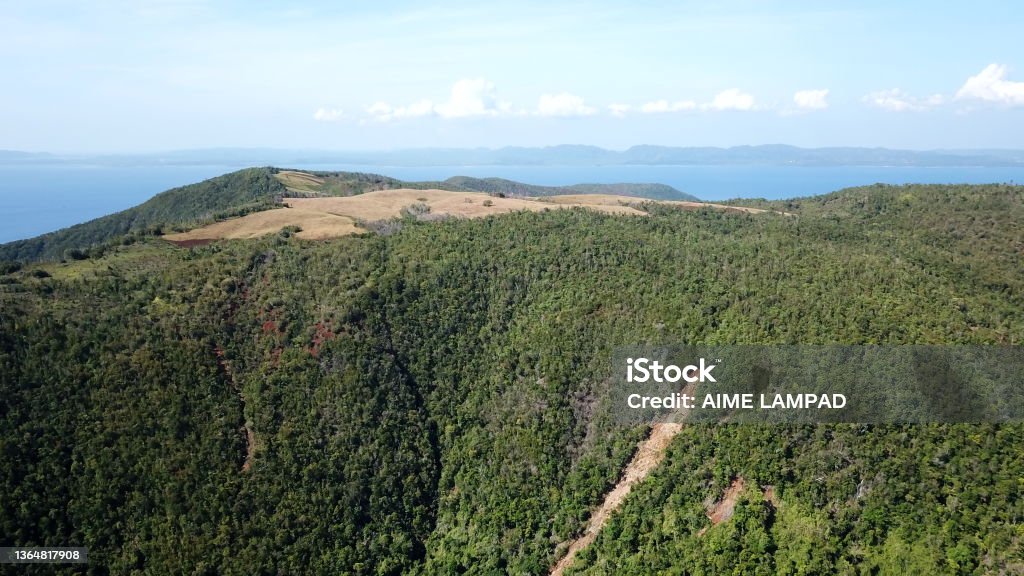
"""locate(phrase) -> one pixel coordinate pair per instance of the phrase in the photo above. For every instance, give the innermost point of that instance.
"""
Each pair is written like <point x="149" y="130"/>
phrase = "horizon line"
<point x="54" y="152"/>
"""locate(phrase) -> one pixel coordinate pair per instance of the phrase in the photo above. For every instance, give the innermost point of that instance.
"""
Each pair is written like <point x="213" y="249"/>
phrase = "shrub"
<point x="415" y="210"/>
<point x="289" y="231"/>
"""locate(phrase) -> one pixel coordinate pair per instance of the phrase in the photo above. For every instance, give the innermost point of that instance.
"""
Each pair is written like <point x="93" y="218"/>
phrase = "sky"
<point x="138" y="76"/>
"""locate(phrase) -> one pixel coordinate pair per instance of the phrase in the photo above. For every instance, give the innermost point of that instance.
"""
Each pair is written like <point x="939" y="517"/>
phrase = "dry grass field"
<point x="385" y="204"/>
<point x="329" y="217"/>
<point x="315" y="225"/>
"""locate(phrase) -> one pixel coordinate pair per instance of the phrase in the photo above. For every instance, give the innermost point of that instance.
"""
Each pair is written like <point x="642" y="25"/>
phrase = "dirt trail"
<point x="250" y="448"/>
<point x="648" y="456"/>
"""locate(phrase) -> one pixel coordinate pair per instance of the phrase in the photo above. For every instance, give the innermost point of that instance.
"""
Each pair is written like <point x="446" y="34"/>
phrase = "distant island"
<point x="564" y="155"/>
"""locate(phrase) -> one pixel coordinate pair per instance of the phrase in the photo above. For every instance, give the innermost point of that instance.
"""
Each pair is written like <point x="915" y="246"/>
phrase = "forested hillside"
<point x="512" y="188"/>
<point x="426" y="401"/>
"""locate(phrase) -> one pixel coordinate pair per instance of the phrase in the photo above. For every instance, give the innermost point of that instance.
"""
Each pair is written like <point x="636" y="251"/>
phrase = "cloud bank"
<point x="476" y="97"/>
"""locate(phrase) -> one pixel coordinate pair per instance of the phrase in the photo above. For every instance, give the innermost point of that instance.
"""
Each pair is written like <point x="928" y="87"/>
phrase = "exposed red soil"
<point x="321" y="335"/>
<point x="724" y="508"/>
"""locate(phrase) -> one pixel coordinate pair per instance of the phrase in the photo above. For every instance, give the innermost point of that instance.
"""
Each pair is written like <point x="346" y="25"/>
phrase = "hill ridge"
<point x="256" y="189"/>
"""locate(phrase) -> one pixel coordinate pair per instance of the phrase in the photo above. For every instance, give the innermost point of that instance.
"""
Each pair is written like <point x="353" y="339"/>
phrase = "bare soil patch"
<point x="648" y="456"/>
<point x="723" y="509"/>
<point x="250" y="448"/>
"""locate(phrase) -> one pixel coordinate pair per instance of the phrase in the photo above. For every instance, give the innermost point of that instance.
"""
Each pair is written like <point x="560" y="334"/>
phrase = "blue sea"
<point x="35" y="199"/>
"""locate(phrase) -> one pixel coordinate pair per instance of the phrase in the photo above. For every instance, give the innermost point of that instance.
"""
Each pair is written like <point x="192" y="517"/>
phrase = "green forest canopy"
<point x="423" y="402"/>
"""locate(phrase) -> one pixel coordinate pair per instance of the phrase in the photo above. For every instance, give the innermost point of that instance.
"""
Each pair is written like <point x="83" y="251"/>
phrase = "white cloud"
<point x="658" y="106"/>
<point x="379" y="110"/>
<point x="731" y="99"/>
<point x="811" y="99"/>
<point x="896" y="100"/>
<point x="384" y="112"/>
<point x="416" y="109"/>
<point x="471" y="97"/>
<point x="619" y="110"/>
<point x="329" y="114"/>
<point x="991" y="85"/>
<point x="563" y="104"/>
<point x="892" y="100"/>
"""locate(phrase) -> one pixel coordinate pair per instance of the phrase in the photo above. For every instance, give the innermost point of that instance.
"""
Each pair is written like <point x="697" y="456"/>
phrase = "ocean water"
<point x="35" y="199"/>
<point x="39" y="199"/>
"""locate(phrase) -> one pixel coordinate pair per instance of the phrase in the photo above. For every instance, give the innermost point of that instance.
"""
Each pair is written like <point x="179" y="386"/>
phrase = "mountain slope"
<point x="428" y="401"/>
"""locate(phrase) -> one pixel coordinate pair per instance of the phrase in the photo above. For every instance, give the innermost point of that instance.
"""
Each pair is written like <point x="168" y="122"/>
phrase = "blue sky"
<point x="148" y="76"/>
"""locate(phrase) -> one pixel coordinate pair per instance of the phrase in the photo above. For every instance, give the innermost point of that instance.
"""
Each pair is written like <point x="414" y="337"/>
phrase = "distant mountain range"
<point x="567" y="155"/>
